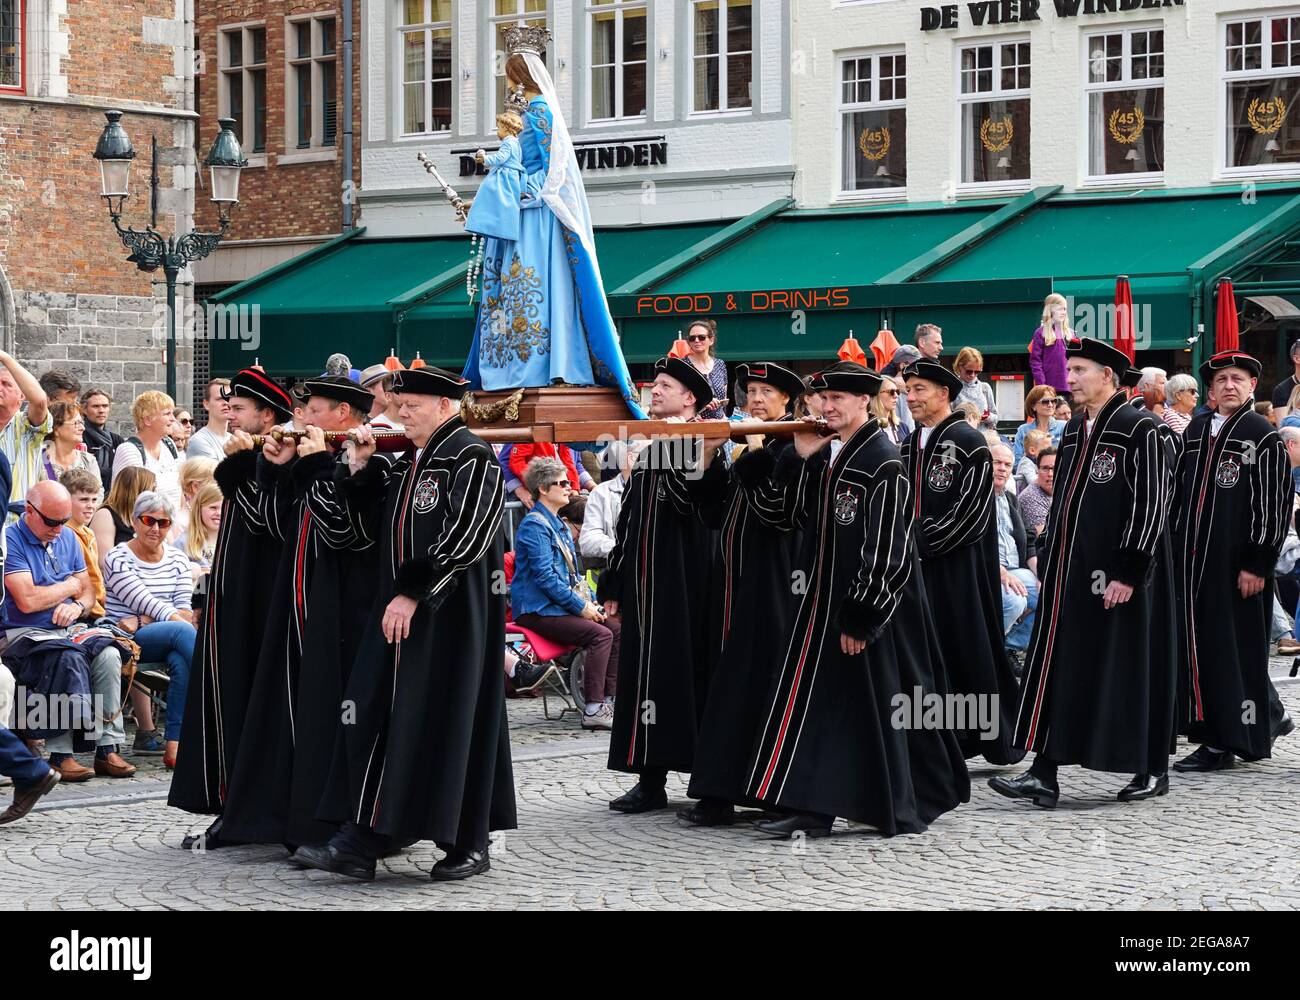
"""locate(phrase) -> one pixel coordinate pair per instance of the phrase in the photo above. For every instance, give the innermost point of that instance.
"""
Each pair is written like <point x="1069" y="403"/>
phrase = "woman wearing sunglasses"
<point x="702" y="337"/>
<point x="64" y="447"/>
<point x="149" y="589"/>
<point x="549" y="596"/>
<point x="1040" y="413"/>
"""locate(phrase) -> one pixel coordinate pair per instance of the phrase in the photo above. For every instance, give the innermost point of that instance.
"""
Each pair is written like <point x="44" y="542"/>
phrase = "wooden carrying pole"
<point x="594" y="430"/>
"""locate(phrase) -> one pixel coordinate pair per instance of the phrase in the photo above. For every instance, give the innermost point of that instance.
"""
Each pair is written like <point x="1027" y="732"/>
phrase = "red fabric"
<point x="679" y="349"/>
<point x="883" y="348"/>
<point x="1125" y="341"/>
<point x="1227" y="336"/>
<point x="510" y="567"/>
<point x="522" y="454"/>
<point x="851" y="350"/>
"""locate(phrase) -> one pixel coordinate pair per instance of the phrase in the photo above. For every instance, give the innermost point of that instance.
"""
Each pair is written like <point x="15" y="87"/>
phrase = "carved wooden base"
<point x="571" y="413"/>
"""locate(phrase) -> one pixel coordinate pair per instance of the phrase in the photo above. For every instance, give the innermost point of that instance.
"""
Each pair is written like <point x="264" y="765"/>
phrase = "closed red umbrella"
<point x="851" y="350"/>
<point x="1125" y="341"/>
<point x="1227" y="336"/>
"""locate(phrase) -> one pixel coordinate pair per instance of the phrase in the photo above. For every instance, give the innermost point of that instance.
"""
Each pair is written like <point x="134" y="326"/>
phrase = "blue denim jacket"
<point x="543" y="583"/>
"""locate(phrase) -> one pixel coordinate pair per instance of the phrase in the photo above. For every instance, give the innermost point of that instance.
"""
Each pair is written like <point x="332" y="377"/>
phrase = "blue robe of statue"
<point x="496" y="208"/>
<point x="542" y="314"/>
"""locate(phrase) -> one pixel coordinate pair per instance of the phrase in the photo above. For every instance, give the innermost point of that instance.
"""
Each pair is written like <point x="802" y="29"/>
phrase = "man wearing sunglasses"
<point x="48" y="589"/>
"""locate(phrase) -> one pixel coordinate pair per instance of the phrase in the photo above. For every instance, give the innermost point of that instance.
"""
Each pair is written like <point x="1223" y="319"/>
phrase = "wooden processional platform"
<point x="565" y="413"/>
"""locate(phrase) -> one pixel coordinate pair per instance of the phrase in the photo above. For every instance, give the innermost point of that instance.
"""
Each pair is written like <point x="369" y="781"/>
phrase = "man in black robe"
<point x="230" y="632"/>
<point x="423" y="752"/>
<point x="950" y="470"/>
<point x="844" y="732"/>
<point x="657" y="581"/>
<point x="327" y="569"/>
<point x="755" y="523"/>
<point x="1230" y="516"/>
<point x="1096" y="690"/>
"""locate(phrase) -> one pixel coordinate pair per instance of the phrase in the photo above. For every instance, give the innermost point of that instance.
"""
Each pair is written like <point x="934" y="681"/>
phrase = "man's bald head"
<point x="47" y="500"/>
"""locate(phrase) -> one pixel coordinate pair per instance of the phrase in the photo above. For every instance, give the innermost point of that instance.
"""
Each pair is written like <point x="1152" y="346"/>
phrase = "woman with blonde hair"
<point x="151" y="447"/>
<point x="1047" y="348"/>
<point x="885" y="407"/>
<point x="199" y="542"/>
<point x="969" y="366"/>
<point x="195" y="473"/>
<point x="112" y="522"/>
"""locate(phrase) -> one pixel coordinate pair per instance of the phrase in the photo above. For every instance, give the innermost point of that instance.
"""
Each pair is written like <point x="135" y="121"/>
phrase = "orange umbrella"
<point x="1227" y="336"/>
<point x="419" y="362"/>
<point x="680" y="348"/>
<point x="393" y="363"/>
<point x="883" y="347"/>
<point x="1125" y="341"/>
<point x="851" y="350"/>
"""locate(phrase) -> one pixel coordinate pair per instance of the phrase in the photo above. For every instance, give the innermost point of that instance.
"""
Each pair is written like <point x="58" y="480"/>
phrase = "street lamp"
<point x="149" y="249"/>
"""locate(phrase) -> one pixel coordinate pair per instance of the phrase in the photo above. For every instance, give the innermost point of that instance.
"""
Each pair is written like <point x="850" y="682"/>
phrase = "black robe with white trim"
<point x="659" y="572"/>
<point x="844" y="735"/>
<point x="1231" y="514"/>
<point x="1095" y="690"/>
<point x="424" y="751"/>
<point x="327" y="570"/>
<point x="956" y="533"/>
<point x="755" y="518"/>
<point x="248" y="548"/>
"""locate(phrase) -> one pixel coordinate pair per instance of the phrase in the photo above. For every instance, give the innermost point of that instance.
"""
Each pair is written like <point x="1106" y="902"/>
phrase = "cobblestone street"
<point x="1223" y="840"/>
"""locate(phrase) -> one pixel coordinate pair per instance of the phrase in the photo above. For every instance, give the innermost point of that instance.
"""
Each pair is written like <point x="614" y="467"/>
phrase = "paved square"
<point x="1223" y="840"/>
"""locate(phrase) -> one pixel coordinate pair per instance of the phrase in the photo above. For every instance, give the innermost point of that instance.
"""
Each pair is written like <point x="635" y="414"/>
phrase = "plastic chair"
<point x="565" y="675"/>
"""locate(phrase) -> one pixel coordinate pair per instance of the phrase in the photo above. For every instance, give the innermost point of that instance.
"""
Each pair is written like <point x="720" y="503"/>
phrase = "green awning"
<point x="787" y="283"/>
<point x="348" y="295"/>
<point x="1083" y="242"/>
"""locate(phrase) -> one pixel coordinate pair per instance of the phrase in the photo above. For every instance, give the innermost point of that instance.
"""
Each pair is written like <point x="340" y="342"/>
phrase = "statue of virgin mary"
<point x="542" y="317"/>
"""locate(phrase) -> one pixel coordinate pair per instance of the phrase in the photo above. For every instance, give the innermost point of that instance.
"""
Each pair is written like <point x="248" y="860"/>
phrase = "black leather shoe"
<point x="1143" y="786"/>
<point x="460" y="864"/>
<point x="637" y="801"/>
<point x="328" y="858"/>
<point x="1285" y="725"/>
<point x="787" y="826"/>
<point x="1205" y="759"/>
<point x="709" y="812"/>
<point x="27" y="796"/>
<point x="1027" y="786"/>
<point x="209" y="840"/>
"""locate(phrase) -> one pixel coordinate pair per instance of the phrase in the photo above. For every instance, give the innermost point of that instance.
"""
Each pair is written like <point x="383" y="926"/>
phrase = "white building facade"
<point x="922" y="102"/>
<point x="679" y="109"/>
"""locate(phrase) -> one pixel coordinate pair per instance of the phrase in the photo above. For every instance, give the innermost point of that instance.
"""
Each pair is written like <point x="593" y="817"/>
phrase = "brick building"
<point x="277" y="68"/>
<point x="68" y="298"/>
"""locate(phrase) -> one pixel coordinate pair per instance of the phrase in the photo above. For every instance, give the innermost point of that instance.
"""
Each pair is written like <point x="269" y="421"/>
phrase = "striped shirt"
<point x="23" y="444"/>
<point x="136" y="587"/>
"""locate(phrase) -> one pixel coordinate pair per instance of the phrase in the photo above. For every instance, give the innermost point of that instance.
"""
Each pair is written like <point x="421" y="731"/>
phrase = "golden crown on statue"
<point x="527" y="38"/>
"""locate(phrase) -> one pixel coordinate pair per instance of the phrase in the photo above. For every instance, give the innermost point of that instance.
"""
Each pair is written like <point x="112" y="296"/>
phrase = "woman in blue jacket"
<point x="549" y="596"/>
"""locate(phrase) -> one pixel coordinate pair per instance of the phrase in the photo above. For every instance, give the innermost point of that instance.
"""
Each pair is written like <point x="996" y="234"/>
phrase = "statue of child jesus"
<point x="495" y="210"/>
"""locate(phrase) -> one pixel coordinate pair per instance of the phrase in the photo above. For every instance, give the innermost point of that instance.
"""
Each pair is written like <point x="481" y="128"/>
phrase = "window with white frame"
<point x="424" y="44"/>
<point x="312" y="117"/>
<point x="722" y="55"/>
<point x="1125" y="84"/>
<point x="994" y="100"/>
<point x="1262" y="84"/>
<point x="506" y="14"/>
<point x="618" y="59"/>
<point x="242" y="59"/>
<point x="873" y="121"/>
<point x="12" y="37"/>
